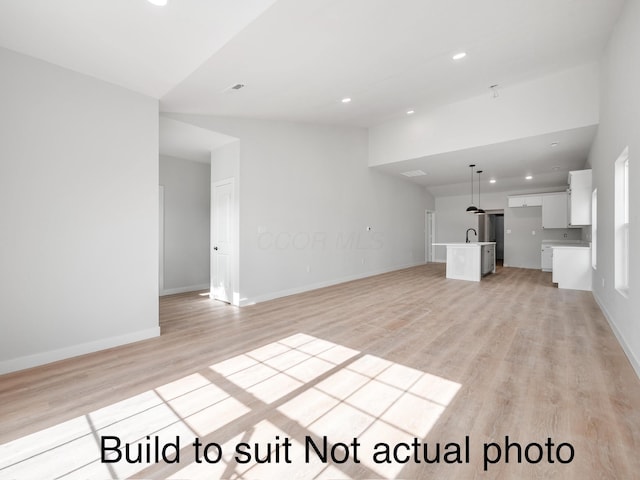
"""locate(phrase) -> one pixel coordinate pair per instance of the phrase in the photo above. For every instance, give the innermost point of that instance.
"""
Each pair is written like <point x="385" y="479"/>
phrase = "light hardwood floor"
<point x="392" y="358"/>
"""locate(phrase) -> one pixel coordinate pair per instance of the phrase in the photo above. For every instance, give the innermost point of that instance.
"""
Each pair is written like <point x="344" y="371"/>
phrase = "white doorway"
<point x="225" y="224"/>
<point x="429" y="235"/>
<point x="222" y="241"/>
<point x="491" y="229"/>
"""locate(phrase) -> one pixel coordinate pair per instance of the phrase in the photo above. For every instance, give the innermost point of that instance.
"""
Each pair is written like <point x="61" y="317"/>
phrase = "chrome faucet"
<point x="470" y="230"/>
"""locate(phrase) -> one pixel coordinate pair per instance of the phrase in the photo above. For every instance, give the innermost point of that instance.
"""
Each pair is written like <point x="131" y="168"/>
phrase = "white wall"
<point x="619" y="127"/>
<point x="225" y="162"/>
<point x="187" y="201"/>
<point x="521" y="247"/>
<point x="306" y="198"/>
<point x="79" y="221"/>
<point x="561" y="101"/>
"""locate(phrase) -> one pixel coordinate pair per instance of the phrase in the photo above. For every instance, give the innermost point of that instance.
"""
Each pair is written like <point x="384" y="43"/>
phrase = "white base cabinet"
<point x="572" y="267"/>
<point x="546" y="258"/>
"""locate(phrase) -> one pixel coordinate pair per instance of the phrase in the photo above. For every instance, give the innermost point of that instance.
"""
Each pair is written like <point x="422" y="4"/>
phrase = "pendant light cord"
<point x="472" y="184"/>
<point x="472" y="207"/>
<point x="471" y="168"/>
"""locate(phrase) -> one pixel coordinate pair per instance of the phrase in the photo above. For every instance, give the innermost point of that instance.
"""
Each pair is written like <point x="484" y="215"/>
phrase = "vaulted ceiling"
<point x="298" y="59"/>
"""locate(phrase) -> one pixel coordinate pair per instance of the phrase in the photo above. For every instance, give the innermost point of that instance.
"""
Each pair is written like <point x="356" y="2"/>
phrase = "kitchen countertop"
<point x="464" y="244"/>
<point x="564" y="242"/>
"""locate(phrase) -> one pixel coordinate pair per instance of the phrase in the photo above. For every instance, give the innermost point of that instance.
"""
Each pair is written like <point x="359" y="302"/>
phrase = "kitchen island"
<point x="470" y="261"/>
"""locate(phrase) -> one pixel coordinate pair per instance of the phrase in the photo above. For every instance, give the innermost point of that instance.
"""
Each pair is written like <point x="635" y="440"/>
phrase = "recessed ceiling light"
<point x="459" y="56"/>
<point x="410" y="112"/>
<point x="528" y="177"/>
<point x="555" y="144"/>
<point x="346" y="100"/>
<point x="159" y="3"/>
<point x="493" y="180"/>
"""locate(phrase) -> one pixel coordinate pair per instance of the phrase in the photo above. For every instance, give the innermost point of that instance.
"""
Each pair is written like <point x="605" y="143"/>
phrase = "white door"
<point x="221" y="240"/>
<point x="428" y="236"/>
<point x="161" y="243"/>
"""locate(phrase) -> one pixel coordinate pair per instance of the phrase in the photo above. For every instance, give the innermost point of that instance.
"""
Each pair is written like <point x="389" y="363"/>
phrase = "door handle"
<point x="215" y="248"/>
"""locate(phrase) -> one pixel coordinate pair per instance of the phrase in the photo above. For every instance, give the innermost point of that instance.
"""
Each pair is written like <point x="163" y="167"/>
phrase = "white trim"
<point x="161" y="242"/>
<point x="635" y="362"/>
<point x="292" y="291"/>
<point x="28" y="361"/>
<point x="429" y="229"/>
<point x="234" y="271"/>
<point x="594" y="229"/>
<point x="188" y="288"/>
<point x="621" y="205"/>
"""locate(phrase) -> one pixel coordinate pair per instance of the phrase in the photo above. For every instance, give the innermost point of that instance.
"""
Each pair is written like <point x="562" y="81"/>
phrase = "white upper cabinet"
<point x="580" y="198"/>
<point x="554" y="210"/>
<point x="525" y="201"/>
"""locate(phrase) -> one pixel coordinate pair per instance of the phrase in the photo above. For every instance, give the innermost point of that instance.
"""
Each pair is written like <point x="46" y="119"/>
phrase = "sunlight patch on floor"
<point x="296" y="388"/>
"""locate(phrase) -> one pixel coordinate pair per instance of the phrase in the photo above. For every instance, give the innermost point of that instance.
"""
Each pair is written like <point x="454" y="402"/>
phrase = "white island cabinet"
<point x="470" y="261"/>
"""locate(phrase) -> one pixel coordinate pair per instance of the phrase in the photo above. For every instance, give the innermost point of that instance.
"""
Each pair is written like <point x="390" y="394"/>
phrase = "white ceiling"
<point x="508" y="163"/>
<point x="131" y="43"/>
<point x="298" y="58"/>
<point x="181" y="140"/>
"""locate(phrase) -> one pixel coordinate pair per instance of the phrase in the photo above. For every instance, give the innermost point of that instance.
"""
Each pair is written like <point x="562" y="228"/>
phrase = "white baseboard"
<point x="529" y="267"/>
<point x="189" y="288"/>
<point x="28" y="361"/>
<point x="635" y="363"/>
<point x="314" y="286"/>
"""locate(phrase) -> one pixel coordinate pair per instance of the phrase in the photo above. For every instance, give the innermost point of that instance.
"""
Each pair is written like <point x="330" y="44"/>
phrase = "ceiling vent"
<point x="234" y="88"/>
<point x="413" y="173"/>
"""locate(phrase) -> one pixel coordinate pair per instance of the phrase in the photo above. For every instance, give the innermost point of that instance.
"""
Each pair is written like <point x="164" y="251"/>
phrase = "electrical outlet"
<point x="508" y="231"/>
<point x="533" y="232"/>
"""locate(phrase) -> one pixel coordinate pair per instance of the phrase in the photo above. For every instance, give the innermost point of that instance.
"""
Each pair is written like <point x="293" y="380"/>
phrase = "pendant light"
<point x="472" y="208"/>
<point x="479" y="210"/>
